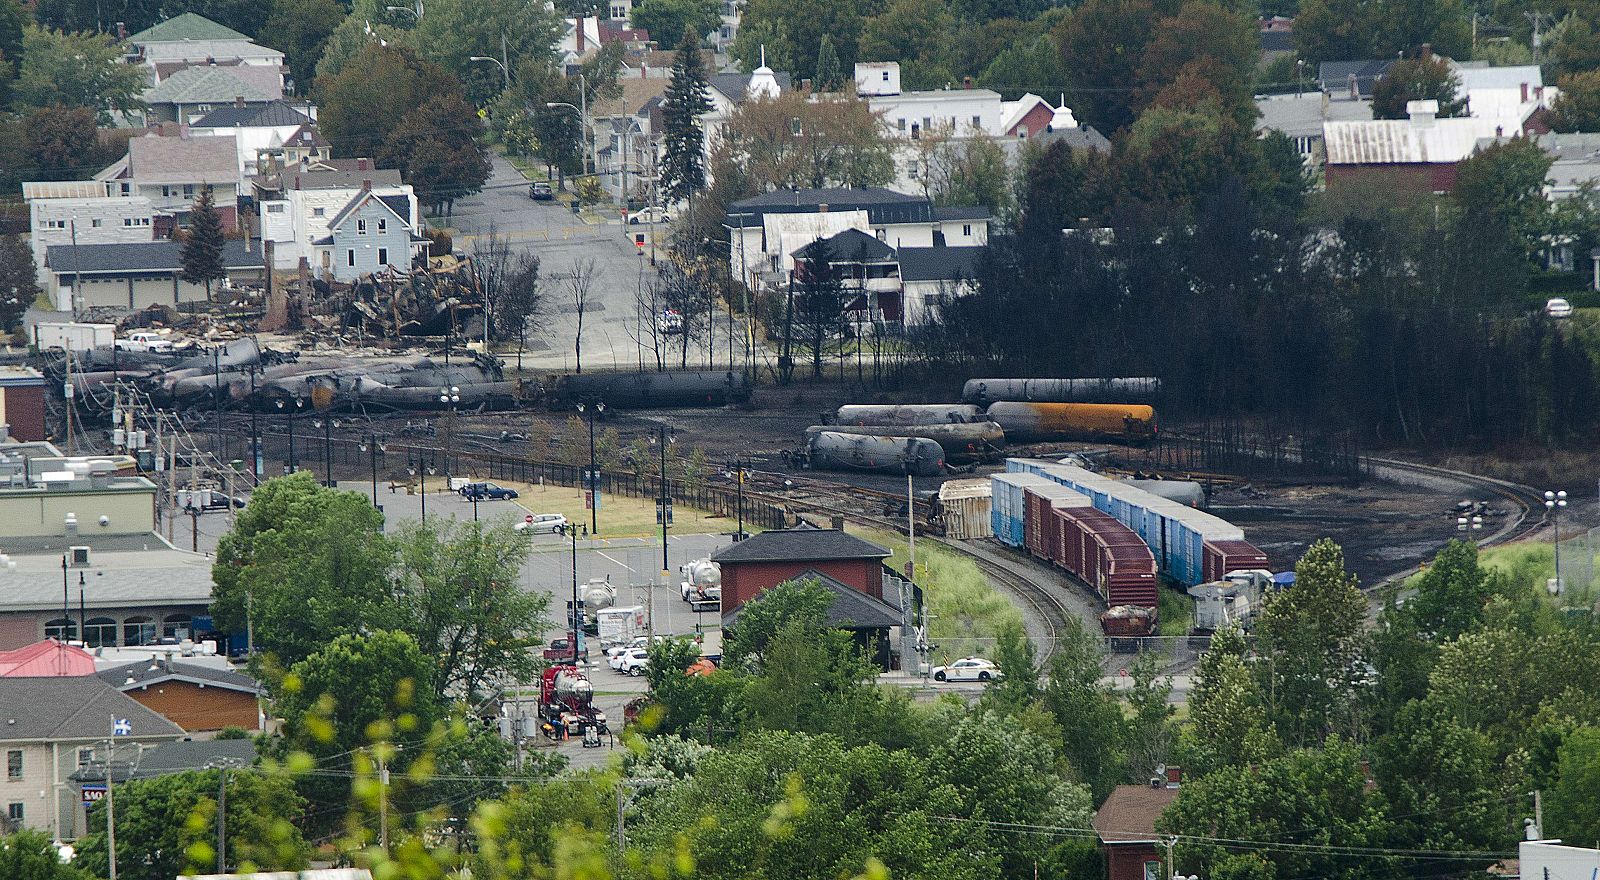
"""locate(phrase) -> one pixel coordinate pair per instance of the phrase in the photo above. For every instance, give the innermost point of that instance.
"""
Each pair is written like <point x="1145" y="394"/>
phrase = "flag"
<point x="121" y="727"/>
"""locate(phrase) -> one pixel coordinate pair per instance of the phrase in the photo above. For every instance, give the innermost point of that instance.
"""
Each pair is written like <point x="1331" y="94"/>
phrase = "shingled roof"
<point x="72" y="708"/>
<point x="207" y="84"/>
<point x="186" y="27"/>
<point x="800" y="545"/>
<point x="144" y="673"/>
<point x="1129" y="815"/>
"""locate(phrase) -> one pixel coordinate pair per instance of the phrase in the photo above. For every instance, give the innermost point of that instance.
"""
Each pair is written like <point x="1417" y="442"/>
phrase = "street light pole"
<point x="593" y="481"/>
<point x="663" y="439"/>
<point x="1554" y="502"/>
<point x="574" y="618"/>
<point x="450" y="397"/>
<point x="372" y="448"/>
<point x="497" y="63"/>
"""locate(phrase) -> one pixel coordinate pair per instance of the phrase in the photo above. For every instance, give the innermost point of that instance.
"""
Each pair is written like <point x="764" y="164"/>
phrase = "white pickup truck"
<point x="145" y="340"/>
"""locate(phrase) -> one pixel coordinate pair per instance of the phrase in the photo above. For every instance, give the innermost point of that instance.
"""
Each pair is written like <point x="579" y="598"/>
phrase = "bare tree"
<point x="514" y="303"/>
<point x="580" y="284"/>
<point x="649" y="300"/>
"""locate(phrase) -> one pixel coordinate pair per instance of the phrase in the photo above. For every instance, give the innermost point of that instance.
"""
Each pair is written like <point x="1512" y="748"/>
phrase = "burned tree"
<point x="580" y="288"/>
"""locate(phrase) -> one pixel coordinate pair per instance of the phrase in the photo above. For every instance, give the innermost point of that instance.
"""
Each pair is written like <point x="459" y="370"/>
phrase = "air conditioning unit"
<point x="80" y="557"/>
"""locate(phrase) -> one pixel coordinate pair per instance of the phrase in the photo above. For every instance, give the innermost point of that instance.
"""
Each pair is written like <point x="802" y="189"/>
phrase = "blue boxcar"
<point x="1008" y="509"/>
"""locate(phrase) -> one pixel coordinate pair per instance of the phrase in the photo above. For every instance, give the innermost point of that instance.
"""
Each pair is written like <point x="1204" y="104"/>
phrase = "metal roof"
<point x="141" y="256"/>
<point x="186" y="27"/>
<point x="141" y="674"/>
<point x="64" y="189"/>
<point x="962" y="213"/>
<point x="940" y="263"/>
<point x="113" y="579"/>
<point x="273" y="114"/>
<point x="74" y="707"/>
<point x="1403" y="141"/>
<point x="978" y="487"/>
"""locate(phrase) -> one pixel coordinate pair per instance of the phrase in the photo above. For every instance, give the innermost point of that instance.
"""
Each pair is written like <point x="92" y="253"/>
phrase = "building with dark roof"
<point x="868" y="619"/>
<point x="1126" y="826"/>
<point x="765" y="560"/>
<point x="193" y="696"/>
<point x="52" y="727"/>
<point x="1351" y="80"/>
<point x="137" y="274"/>
<point x="898" y="285"/>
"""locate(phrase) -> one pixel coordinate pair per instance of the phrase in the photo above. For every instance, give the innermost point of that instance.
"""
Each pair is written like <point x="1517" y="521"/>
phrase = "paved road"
<point x="562" y="240"/>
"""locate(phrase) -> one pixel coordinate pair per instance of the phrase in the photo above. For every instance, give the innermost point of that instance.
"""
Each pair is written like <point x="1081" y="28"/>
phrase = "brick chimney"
<point x="366" y="185"/>
<point x="297" y="181"/>
<point x="1426" y="52"/>
<point x="578" y="28"/>
<point x="1174" y="775"/>
<point x="966" y="82"/>
<point x="361" y="164"/>
<point x="1524" y="93"/>
<point x="238" y="101"/>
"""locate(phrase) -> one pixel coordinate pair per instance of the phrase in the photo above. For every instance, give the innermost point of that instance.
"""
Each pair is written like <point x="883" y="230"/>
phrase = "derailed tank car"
<point x="968" y="441"/>
<point x="1046" y="422"/>
<point x="908" y="414"/>
<point x="833" y="451"/>
<point x="680" y="388"/>
<point x="982" y="392"/>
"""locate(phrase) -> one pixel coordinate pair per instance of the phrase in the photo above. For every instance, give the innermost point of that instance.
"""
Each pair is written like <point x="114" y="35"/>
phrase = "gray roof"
<point x="72" y="708"/>
<point x="851" y="608"/>
<point x="148" y="672"/>
<point x="141" y="256"/>
<point x="1302" y="115"/>
<point x="179" y="756"/>
<point x="206" y="84"/>
<point x="939" y="263"/>
<point x="350" y="178"/>
<point x="404" y="214"/>
<point x="962" y="213"/>
<point x="1333" y="77"/>
<point x="849" y="246"/>
<point x="1277" y="41"/>
<point x="186" y="27"/>
<point x="1084" y="137"/>
<point x="799" y="545"/>
<point x="115" y="578"/>
<point x="734" y="85"/>
<point x="253" y="116"/>
<point x="882" y="205"/>
<point x="202" y="159"/>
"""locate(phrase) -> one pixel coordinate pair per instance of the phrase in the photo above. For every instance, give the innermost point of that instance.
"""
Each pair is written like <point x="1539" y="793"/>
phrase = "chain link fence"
<point x="1575" y="564"/>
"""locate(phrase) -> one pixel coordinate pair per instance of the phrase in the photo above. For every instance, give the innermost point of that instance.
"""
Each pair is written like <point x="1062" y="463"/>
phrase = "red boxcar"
<point x="1039" y="532"/>
<point x="1222" y="557"/>
<point x="1107" y="555"/>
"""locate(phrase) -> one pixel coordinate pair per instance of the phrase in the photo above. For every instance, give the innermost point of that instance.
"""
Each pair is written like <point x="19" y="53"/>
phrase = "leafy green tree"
<point x="1442" y="781"/>
<point x="546" y="817"/>
<point x="1497" y="678"/>
<point x="454" y="30"/>
<point x="1453" y="594"/>
<point x="1405" y="25"/>
<point x="804" y="140"/>
<point x="1576" y="48"/>
<point x="1577" y="108"/>
<point x="1088" y="712"/>
<point x="1418" y="79"/>
<point x="1500" y="190"/>
<point x="1574" y="813"/>
<point x="666" y="17"/>
<point x="684" y="704"/>
<point x="1227" y="721"/>
<point x="792" y="31"/>
<point x="683" y="170"/>
<point x="463" y="603"/>
<point x="1150" y="730"/>
<point x="60" y="143"/>
<point x="1334" y="30"/>
<point x="19" y="286"/>
<point x="1310" y="639"/>
<point x="301" y="28"/>
<point x="916" y="33"/>
<point x="1031" y="66"/>
<point x="202" y="243"/>
<point x="363" y="104"/>
<point x="1018" y="687"/>
<point x="1207" y="40"/>
<point x="1171" y="157"/>
<point x="811" y="808"/>
<point x="830" y="77"/>
<point x="304" y="564"/>
<point x="169" y="823"/>
<point x="972" y="172"/>
<point x="349" y="40"/>
<point x="1103" y="42"/>
<point x="14" y="19"/>
<point x="31" y="855"/>
<point x="818" y="681"/>
<point x="436" y="147"/>
<point x="803" y="601"/>
<point x="76" y="70"/>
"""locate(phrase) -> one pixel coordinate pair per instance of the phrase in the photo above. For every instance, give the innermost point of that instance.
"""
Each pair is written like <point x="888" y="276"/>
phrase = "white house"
<point x="195" y="38"/>
<point x="371" y="233"/>
<point x="258" y="130"/>
<point x="895" y="285"/>
<point x="61" y="212"/>
<point x="172" y="171"/>
<point x="766" y="230"/>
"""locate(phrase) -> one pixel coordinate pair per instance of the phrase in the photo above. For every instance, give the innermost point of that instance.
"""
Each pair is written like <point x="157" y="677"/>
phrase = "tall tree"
<point x="1334" y="30"/>
<point x="683" y="170"/>
<point x="1103" y="42"/>
<point x="304" y="564"/>
<point x="803" y="140"/>
<point x="14" y="20"/>
<point x="301" y="28"/>
<point x="792" y="32"/>
<point x="580" y="290"/>
<point x="26" y="854"/>
<point x="61" y="143"/>
<point x="1227" y="722"/>
<point x="76" y="70"/>
<point x="202" y="243"/>
<point x="1574" y="812"/>
<point x="664" y="17"/>
<point x="1418" y="79"/>
<point x="19" y="285"/>
<point x="916" y="33"/>
<point x="1501" y="193"/>
<point x="1088" y="713"/>
<point x="436" y="147"/>
<point x="1577" y="108"/>
<point x="365" y="101"/>
<point x="454" y="30"/>
<point x="830" y="76"/>
<point x="1310" y="639"/>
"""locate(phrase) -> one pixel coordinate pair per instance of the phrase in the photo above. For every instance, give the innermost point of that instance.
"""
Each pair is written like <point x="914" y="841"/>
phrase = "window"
<point x="188" y="190"/>
<point x="383" y="224"/>
<point x="138" y="631"/>
<point x="61" y="629"/>
<point x="85" y="757"/>
<point x="774" y="262"/>
<point x="966" y="229"/>
<point x="318" y="212"/>
<point x="727" y="32"/>
<point x="350" y="257"/>
<point x="166" y="191"/>
<point x="14" y="764"/>
<point x="900" y="125"/>
<point x="361" y="227"/>
<point x="882" y="234"/>
<point x="127" y="188"/>
<point x="383" y="256"/>
<point x="274" y="209"/>
<point x="927" y="123"/>
<point x="202" y="108"/>
<point x="1152" y="871"/>
<point x="177" y="626"/>
<point x="14" y="813"/>
<point x="96" y="223"/>
<point x="977" y="122"/>
<point x="100" y="631"/>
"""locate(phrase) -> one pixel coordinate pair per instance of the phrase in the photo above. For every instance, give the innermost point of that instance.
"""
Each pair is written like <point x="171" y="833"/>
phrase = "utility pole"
<point x="222" y="822"/>
<point x="911" y="531"/>
<point x="383" y="803"/>
<point x="111" y="804"/>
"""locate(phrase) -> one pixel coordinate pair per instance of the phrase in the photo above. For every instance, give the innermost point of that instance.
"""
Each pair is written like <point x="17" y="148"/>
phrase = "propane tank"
<point x="598" y="595"/>
<point x="704" y="573"/>
<point x="572" y="689"/>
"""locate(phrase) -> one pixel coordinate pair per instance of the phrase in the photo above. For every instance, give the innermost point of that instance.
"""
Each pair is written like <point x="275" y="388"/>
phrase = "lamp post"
<point x="420" y="471"/>
<point x="497" y="63"/>
<point x="583" y="114"/>
<point x="663" y="439"/>
<point x="592" y="482"/>
<point x="414" y="12"/>
<point x="327" y="424"/>
<point x="372" y="447"/>
<point x="449" y="397"/>
<point x="1554" y="501"/>
<point x="575" y="618"/>
<point x="738" y="479"/>
<point x="255" y="430"/>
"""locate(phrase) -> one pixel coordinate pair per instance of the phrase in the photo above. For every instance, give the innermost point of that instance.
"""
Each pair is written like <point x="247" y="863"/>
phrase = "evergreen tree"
<point x="202" y="247"/>
<point x="684" y="171"/>
<point x="18" y="284"/>
<point x="829" y="75"/>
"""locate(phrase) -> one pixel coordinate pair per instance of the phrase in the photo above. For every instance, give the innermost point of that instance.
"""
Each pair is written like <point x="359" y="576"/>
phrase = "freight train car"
<point x="680" y="388"/>
<point x="908" y="414"/>
<point x="1188" y="544"/>
<point x="1046" y="422"/>
<point x="831" y="451"/>
<point x="967" y="441"/>
<point x="1007" y="507"/>
<point x="982" y="392"/>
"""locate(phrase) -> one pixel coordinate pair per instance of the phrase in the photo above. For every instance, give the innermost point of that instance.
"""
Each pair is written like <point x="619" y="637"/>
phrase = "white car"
<point x="618" y="650"/>
<point x="648" y="215"/>
<point x="632" y="662"/>
<point x="968" y="669"/>
<point x="669" y="321"/>
<point x="1558" y="308"/>
<point x="543" y="522"/>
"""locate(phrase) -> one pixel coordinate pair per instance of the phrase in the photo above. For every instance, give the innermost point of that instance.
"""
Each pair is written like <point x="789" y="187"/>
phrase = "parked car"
<point x="670" y="321"/>
<point x="487" y="491"/>
<point x="144" y="340"/>
<point x="967" y="669"/>
<point x="1558" y="308"/>
<point x="634" y="662"/>
<point x="648" y="215"/>
<point x="561" y="650"/>
<point x="541" y="192"/>
<point x="552" y="523"/>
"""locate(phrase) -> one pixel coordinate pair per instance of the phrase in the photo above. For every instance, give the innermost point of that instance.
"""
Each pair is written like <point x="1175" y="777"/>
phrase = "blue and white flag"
<point x="121" y="727"/>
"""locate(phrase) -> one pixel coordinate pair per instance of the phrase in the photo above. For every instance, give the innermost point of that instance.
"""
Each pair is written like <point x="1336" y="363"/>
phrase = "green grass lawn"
<point x="1530" y="566"/>
<point x="965" y="609"/>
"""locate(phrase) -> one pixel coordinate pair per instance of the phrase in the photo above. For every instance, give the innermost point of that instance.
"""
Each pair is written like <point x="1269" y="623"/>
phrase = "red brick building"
<point x="22" y="402"/>
<point x="763" y="561"/>
<point x="1126" y="825"/>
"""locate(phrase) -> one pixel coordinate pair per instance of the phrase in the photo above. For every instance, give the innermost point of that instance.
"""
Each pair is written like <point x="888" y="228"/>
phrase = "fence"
<point x="1575" y="560"/>
<point x="1240" y="453"/>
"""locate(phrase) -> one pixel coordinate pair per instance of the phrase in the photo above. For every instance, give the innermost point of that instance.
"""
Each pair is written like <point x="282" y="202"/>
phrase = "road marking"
<point x="631" y="569"/>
